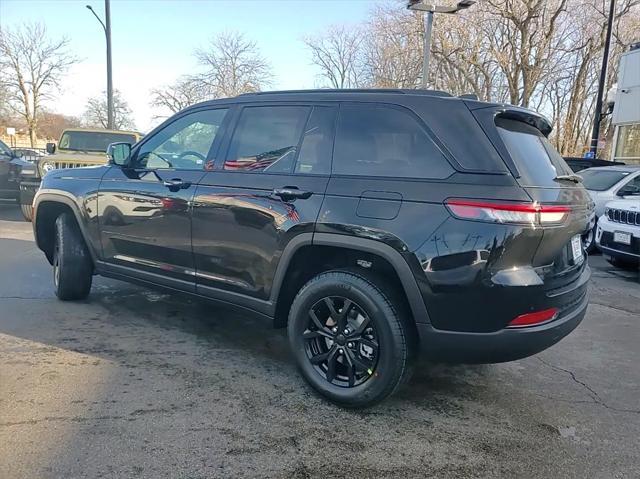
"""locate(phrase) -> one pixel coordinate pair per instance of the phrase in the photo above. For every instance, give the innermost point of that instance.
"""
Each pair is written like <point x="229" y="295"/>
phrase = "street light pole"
<point x="429" y="10"/>
<point x="106" y="25"/>
<point x="428" y="27"/>
<point x="595" y="134"/>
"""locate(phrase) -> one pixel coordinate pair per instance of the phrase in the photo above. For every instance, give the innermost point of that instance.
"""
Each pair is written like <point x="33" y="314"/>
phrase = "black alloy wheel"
<point x="341" y="341"/>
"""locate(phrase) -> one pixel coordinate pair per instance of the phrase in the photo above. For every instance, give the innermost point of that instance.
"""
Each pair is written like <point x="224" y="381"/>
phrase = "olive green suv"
<point x="78" y="147"/>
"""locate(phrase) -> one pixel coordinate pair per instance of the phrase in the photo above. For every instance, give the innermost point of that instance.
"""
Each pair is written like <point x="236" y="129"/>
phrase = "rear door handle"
<point x="292" y="192"/>
<point x="176" y="184"/>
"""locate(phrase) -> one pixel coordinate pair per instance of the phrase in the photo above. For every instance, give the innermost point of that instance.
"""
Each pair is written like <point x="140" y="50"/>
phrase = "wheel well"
<point x="309" y="261"/>
<point x="48" y="212"/>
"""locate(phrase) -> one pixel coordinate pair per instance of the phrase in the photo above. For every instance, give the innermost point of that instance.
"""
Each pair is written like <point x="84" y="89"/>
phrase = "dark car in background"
<point x="378" y="226"/>
<point x="11" y="163"/>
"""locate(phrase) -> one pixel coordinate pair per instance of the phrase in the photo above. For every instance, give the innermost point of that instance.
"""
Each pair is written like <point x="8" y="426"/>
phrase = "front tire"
<point x="27" y="212"/>
<point x="72" y="264"/>
<point x="349" y="338"/>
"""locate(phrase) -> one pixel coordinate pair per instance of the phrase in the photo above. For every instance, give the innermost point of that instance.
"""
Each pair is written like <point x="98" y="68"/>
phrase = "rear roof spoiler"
<point x="518" y="113"/>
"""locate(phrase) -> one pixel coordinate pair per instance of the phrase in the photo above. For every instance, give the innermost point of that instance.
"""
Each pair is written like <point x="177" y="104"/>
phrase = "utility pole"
<point x="429" y="10"/>
<point x="597" y="116"/>
<point x="106" y="25"/>
<point x="428" y="27"/>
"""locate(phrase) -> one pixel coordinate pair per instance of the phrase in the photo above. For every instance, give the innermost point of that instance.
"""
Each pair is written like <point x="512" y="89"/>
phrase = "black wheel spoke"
<point x="363" y="364"/>
<point x="316" y="321"/>
<point x="319" y="333"/>
<point x="332" y="308"/>
<point x="332" y="362"/>
<point x="342" y="316"/>
<point x="363" y="325"/>
<point x="319" y="358"/>
<point x="351" y="369"/>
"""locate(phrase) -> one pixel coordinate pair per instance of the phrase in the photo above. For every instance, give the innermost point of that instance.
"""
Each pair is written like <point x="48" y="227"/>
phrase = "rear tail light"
<point x="503" y="212"/>
<point x="533" y="319"/>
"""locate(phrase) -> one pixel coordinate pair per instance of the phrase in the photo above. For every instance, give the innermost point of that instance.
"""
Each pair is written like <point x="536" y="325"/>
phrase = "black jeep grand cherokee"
<point x="375" y="225"/>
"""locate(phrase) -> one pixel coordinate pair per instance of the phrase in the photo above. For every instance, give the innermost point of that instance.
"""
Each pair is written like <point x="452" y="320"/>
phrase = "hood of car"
<point x="628" y="205"/>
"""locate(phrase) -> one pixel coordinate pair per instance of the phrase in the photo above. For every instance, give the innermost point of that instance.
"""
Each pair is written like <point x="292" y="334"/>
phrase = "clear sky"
<point x="153" y="40"/>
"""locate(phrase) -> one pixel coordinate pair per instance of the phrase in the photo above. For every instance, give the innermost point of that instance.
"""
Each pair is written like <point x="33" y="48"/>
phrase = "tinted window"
<point x="317" y="143"/>
<point x="92" y="140"/>
<point x="4" y="149"/>
<point x="377" y="140"/>
<point x="184" y="143"/>
<point x="266" y="137"/>
<point x="600" y="180"/>
<point x="537" y="160"/>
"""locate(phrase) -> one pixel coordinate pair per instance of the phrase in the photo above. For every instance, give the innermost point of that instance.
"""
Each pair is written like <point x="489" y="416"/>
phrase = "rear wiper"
<point x="574" y="178"/>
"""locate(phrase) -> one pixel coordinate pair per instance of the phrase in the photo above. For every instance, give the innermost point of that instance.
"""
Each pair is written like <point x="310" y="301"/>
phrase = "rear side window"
<point x="533" y="154"/>
<point x="600" y="180"/>
<point x="266" y="138"/>
<point x="380" y="140"/>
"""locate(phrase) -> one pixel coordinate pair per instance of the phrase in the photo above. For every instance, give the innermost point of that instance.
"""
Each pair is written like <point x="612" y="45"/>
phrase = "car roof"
<point x="104" y="130"/>
<point x="629" y="168"/>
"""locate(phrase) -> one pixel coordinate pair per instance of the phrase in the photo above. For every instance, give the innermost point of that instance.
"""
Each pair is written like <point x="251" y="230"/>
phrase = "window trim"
<point x="213" y="149"/>
<point x="233" y="124"/>
<point x="420" y="122"/>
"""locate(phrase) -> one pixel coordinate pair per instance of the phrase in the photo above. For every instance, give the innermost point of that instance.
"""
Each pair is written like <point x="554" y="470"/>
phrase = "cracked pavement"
<point x="135" y="383"/>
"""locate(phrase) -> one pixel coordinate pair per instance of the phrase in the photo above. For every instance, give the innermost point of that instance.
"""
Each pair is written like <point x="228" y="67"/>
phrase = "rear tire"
<point x="357" y="352"/>
<point x="589" y="240"/>
<point x="72" y="264"/>
<point x="27" y="212"/>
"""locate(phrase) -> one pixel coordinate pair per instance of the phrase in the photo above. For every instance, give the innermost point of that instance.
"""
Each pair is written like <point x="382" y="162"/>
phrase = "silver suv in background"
<point x="606" y="184"/>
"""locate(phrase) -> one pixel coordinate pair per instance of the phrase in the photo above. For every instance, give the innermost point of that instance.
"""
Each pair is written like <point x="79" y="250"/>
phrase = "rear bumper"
<point x="507" y="344"/>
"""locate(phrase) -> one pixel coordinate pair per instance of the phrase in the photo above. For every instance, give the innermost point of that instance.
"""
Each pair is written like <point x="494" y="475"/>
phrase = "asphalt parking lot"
<point x="135" y="383"/>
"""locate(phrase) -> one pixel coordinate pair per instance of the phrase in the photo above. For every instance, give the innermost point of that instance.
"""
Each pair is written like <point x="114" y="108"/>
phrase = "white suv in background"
<point x="618" y="232"/>
<point x="605" y="184"/>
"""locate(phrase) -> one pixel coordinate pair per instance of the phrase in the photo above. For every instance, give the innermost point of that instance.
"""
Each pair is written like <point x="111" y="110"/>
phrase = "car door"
<point x="267" y="188"/>
<point x="7" y="189"/>
<point x="145" y="208"/>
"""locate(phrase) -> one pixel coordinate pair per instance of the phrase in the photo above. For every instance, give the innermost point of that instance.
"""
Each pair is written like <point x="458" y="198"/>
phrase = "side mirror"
<point x="17" y="154"/>
<point x="51" y="148"/>
<point x="119" y="153"/>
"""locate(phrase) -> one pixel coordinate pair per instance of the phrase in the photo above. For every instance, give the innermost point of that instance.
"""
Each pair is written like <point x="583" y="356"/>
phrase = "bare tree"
<point x="184" y="92"/>
<point x="338" y="54"/>
<point x="31" y="67"/>
<point x="233" y="65"/>
<point x="95" y="114"/>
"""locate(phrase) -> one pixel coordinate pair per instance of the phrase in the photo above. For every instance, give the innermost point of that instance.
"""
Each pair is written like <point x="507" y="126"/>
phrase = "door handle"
<point x="292" y="192"/>
<point x="176" y="184"/>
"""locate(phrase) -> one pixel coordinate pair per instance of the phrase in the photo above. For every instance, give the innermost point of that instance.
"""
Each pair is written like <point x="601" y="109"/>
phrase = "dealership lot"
<point x="135" y="383"/>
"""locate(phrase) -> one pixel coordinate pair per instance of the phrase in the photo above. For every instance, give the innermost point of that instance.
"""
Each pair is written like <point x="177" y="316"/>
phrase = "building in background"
<point x="626" y="111"/>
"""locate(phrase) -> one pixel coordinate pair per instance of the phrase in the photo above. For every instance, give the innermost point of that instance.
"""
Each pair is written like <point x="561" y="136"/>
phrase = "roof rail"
<point x="351" y="90"/>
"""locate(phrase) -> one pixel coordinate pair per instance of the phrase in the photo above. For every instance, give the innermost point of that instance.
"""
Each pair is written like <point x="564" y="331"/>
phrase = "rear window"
<point x="533" y="154"/>
<point x="379" y="140"/>
<point x="600" y="180"/>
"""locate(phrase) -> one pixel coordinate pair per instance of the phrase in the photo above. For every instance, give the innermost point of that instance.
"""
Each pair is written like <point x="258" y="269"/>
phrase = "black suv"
<point x="375" y="225"/>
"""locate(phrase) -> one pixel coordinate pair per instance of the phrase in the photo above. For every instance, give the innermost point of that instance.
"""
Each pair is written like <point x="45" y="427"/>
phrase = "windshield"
<point x="92" y="140"/>
<point x="537" y="160"/>
<point x="600" y="180"/>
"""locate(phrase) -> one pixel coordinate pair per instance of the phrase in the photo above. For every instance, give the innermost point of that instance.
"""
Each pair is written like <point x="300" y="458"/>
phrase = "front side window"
<point x="184" y="143"/>
<point x="266" y="138"/>
<point x="599" y="180"/>
<point x="380" y="140"/>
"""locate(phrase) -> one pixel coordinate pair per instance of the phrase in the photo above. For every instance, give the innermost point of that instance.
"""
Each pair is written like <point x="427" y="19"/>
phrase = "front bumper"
<point x="28" y="189"/>
<point x="605" y="243"/>
<point x="508" y="344"/>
